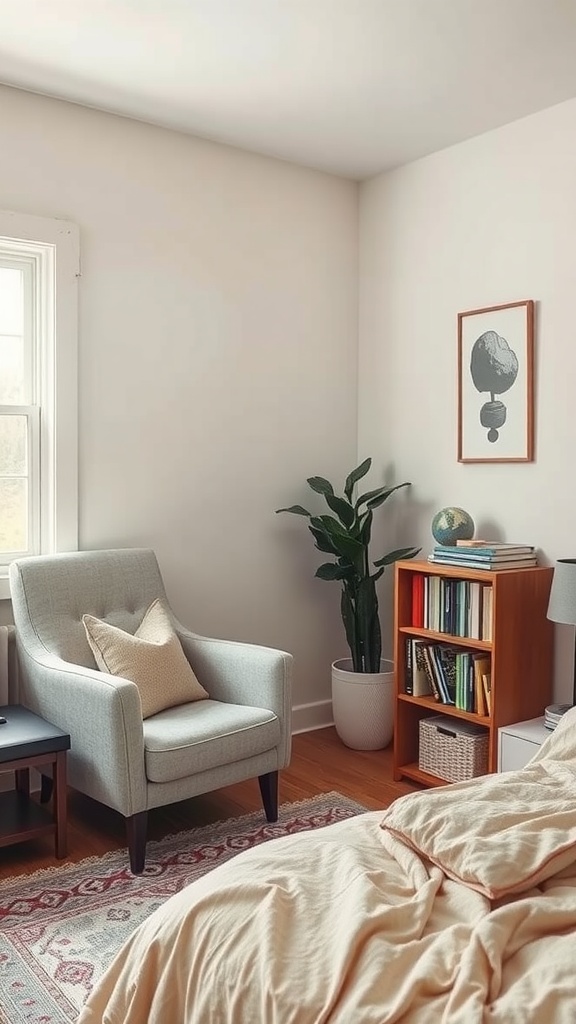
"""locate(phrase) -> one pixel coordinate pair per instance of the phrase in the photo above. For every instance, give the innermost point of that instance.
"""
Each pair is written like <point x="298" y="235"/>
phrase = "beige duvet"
<point x="349" y="925"/>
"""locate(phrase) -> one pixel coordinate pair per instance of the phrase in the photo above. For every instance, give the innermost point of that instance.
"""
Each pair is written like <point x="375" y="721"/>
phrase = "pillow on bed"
<point x="152" y="658"/>
<point x="498" y="834"/>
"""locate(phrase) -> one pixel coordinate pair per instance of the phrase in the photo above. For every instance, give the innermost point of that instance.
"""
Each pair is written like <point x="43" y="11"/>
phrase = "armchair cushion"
<point x="184" y="741"/>
<point x="152" y="658"/>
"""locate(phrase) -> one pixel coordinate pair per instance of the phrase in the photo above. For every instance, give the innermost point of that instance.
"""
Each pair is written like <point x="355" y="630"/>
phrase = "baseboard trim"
<point x="306" y="717"/>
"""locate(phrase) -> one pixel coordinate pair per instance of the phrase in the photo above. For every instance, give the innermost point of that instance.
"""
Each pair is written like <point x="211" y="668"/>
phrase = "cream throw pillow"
<point x="152" y="658"/>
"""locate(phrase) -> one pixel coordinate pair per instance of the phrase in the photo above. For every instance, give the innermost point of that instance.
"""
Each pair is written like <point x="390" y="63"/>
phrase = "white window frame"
<point x="54" y="413"/>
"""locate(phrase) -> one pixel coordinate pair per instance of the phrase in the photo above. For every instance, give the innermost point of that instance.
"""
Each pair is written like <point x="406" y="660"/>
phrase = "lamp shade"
<point x="562" y="603"/>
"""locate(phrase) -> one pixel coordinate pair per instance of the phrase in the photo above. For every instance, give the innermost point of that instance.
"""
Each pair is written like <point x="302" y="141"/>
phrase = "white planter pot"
<point x="363" y="705"/>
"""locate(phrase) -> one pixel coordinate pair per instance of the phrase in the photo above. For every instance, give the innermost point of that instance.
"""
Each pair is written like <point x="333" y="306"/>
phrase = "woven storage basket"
<point x="452" y="750"/>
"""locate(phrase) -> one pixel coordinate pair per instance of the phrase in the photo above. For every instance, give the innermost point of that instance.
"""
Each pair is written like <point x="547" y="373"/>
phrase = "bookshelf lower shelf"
<point x="412" y="771"/>
<point x="437" y="708"/>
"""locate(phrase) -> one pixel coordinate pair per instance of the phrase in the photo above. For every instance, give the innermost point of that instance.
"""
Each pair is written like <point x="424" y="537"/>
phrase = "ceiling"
<point x="353" y="87"/>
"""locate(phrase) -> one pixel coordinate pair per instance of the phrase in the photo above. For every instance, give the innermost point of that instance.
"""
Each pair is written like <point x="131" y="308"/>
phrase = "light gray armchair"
<point x="242" y="731"/>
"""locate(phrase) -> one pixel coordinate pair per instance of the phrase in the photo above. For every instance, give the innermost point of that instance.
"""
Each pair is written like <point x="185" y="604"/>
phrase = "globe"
<point x="452" y="524"/>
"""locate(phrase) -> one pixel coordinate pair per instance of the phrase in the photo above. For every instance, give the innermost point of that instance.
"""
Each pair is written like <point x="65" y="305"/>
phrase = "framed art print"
<point x="496" y="383"/>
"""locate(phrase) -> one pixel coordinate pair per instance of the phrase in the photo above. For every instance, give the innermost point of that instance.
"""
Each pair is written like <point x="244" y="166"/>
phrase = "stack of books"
<point x="553" y="713"/>
<point x="450" y="674"/>
<point x="485" y="554"/>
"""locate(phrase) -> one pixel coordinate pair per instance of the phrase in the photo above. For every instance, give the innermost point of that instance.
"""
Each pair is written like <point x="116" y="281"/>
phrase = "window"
<point x="39" y="269"/>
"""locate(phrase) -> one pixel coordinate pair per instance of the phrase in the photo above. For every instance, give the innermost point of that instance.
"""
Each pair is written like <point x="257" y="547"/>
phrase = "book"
<point x="418" y="599"/>
<point x="468" y="681"/>
<point x="437" y="667"/>
<point x="408" y="676"/>
<point x="487" y="691"/>
<point x="484" y="563"/>
<point x="481" y="668"/>
<point x="481" y="554"/>
<point x="435" y="598"/>
<point x="447" y="611"/>
<point x="420" y="682"/>
<point x="448" y="660"/>
<point x="464" y="689"/>
<point x="429" y="668"/>
<point x="490" y="545"/>
<point x="465" y="681"/>
<point x="475" y="611"/>
<point x="487" y="605"/>
<point x="553" y="714"/>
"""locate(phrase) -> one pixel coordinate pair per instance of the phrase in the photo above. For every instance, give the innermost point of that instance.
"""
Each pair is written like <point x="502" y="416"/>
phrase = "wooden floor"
<point x="320" y="764"/>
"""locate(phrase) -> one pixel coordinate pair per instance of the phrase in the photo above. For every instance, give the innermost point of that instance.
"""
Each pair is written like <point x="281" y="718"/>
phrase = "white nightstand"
<point x="518" y="743"/>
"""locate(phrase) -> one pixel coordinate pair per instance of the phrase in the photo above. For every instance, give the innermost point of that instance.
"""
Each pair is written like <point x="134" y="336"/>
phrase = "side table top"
<point x="25" y="734"/>
<point x="533" y="729"/>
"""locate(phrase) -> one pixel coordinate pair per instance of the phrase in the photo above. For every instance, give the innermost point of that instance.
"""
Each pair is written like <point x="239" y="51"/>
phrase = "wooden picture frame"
<point x="496" y="383"/>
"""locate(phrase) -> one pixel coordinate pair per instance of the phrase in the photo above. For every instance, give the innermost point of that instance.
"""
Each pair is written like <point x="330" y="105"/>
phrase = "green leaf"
<point x="369" y="495"/>
<point x="356" y="475"/>
<point x="352" y="552"/>
<point x="342" y="541"/>
<point x="364" y="528"/>
<point x="332" y="538"/>
<point x="298" y="510"/>
<point x="330" y="571"/>
<point x="395" y="556"/>
<point x="376" y="501"/>
<point x="323" y="541"/>
<point x="328" y="523"/>
<point x="348" y="548"/>
<point x="377" y="497"/>
<point x="348" y="572"/>
<point x="342" y="508"/>
<point x="320" y="485"/>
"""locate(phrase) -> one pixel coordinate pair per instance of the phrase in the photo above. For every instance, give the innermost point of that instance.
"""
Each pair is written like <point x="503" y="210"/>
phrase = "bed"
<point x="456" y="904"/>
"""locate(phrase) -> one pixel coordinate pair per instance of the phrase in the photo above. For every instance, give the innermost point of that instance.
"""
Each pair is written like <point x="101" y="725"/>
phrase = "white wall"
<point x="489" y="221"/>
<point x="218" y="360"/>
<point x="218" y="350"/>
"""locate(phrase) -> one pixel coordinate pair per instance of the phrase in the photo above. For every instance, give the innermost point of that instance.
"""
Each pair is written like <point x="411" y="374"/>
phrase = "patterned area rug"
<point x="60" y="928"/>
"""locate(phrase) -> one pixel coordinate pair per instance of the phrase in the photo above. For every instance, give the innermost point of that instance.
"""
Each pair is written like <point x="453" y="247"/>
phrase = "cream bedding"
<point x="498" y="834"/>
<point x="347" y="925"/>
<point x="378" y="919"/>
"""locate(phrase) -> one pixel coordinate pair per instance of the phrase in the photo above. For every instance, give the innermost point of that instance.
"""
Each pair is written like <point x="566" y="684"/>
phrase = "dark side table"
<point x="28" y="741"/>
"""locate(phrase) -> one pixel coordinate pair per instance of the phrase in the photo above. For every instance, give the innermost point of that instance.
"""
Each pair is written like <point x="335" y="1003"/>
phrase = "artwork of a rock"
<point x="494" y="368"/>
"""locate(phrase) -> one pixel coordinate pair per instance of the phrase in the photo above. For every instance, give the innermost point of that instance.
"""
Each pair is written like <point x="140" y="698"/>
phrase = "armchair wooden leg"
<point x="136" y="826"/>
<point x="269" y="790"/>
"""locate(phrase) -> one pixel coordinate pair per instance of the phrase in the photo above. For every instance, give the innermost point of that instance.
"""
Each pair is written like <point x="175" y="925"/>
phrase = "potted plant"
<point x="362" y="685"/>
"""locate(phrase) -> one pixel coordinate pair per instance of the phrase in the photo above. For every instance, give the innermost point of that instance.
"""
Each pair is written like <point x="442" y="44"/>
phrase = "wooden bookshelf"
<point x="520" y="649"/>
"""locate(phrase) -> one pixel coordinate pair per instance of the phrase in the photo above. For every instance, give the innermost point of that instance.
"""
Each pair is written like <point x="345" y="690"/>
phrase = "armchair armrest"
<point x="241" y="673"/>
<point x="103" y="715"/>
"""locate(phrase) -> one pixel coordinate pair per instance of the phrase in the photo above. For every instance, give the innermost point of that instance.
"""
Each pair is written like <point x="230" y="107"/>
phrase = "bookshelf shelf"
<point x="434" y="637"/>
<point x="435" y="708"/>
<point x="414" y="772"/>
<point x="520" y="651"/>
